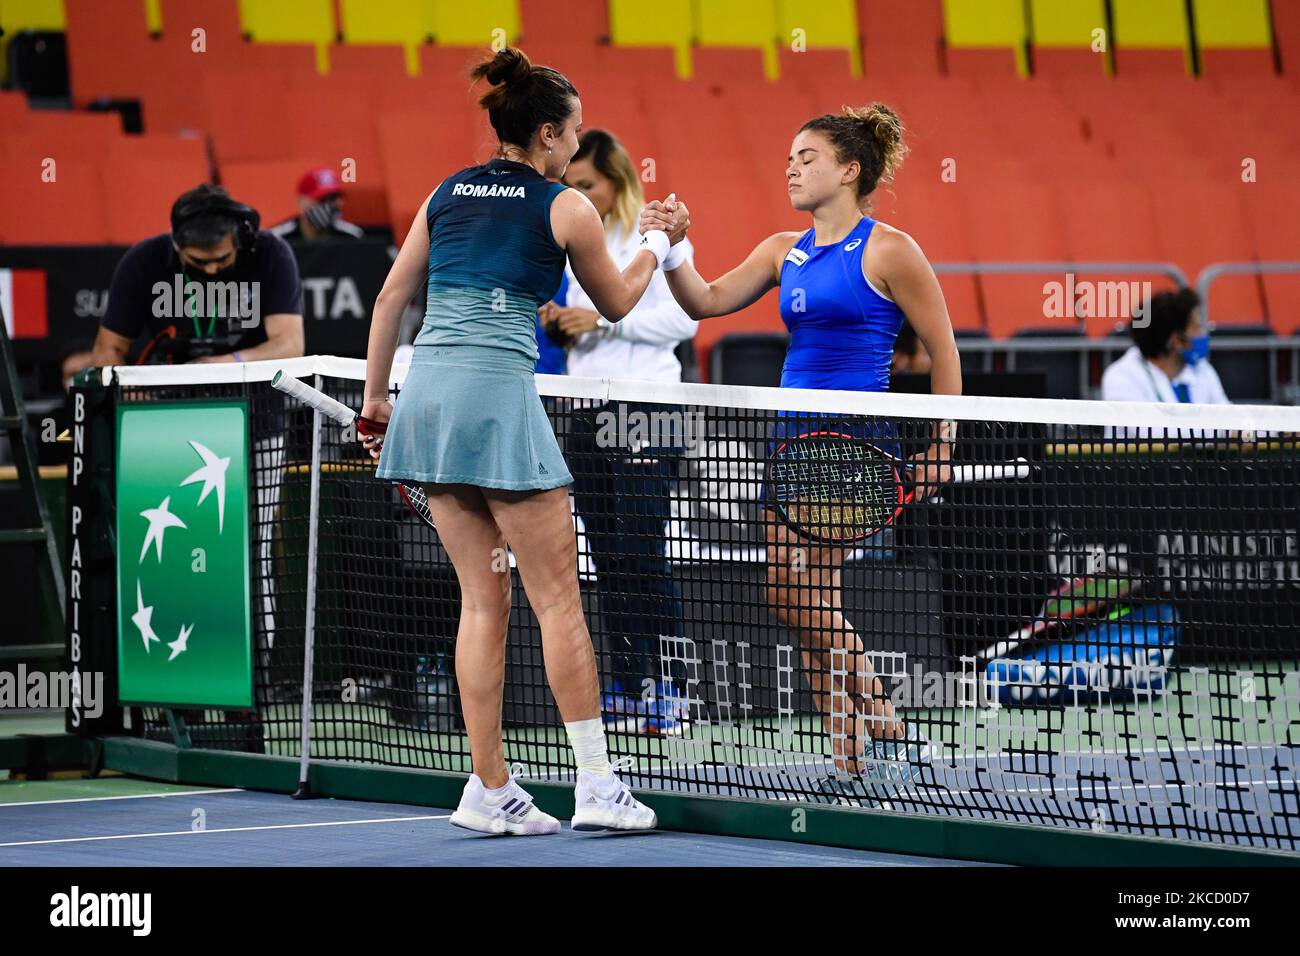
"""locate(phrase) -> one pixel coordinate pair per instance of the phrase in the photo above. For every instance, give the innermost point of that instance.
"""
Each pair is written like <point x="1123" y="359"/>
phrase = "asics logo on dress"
<point x="853" y="245"/>
<point x="479" y="191"/>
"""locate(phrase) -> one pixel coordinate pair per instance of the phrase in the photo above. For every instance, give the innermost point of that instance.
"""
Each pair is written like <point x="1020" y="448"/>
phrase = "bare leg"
<point x="803" y="590"/>
<point x="477" y="550"/>
<point x="539" y="527"/>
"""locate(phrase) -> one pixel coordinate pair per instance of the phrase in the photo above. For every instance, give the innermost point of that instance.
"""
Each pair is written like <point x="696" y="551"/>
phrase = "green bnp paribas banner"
<point x="184" y="621"/>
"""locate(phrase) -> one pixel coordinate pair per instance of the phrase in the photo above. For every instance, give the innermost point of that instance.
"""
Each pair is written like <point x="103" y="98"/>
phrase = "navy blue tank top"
<point x="842" y="329"/>
<point x="493" y="259"/>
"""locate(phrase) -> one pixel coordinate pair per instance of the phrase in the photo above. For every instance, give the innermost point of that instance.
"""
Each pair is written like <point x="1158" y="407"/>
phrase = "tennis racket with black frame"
<point x="335" y="410"/>
<point x="835" y="488"/>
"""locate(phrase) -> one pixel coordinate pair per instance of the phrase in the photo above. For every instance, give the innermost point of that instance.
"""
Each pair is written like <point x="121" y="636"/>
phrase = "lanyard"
<point x="1181" y="391"/>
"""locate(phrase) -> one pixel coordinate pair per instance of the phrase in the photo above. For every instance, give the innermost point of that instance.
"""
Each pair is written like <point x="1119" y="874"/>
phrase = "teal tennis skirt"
<point x="470" y="415"/>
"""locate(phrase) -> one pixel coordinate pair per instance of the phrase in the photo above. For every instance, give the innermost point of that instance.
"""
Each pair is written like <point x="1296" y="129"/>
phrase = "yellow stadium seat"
<point x="665" y="23"/>
<point x="1065" y="31"/>
<point x="456" y="23"/>
<point x="741" y="23"/>
<point x="1151" y="26"/>
<point x="291" y="21"/>
<point x="404" y="23"/>
<point x="18" y="15"/>
<point x="831" y="24"/>
<point x="987" y="24"/>
<point x="1066" y="23"/>
<point x="984" y="23"/>
<point x="1232" y="24"/>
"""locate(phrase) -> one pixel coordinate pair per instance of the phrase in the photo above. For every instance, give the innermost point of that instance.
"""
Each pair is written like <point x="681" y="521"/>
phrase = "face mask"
<point x="1198" y="350"/>
<point x="323" y="215"/>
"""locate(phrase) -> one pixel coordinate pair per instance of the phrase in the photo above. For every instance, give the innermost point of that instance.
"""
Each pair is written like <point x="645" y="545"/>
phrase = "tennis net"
<point x="1095" y="629"/>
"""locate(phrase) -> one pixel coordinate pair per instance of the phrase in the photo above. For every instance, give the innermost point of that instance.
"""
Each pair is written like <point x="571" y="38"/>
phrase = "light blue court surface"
<point x="111" y="822"/>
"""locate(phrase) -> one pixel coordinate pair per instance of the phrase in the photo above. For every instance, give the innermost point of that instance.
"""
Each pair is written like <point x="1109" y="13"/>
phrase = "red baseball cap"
<point x="319" y="183"/>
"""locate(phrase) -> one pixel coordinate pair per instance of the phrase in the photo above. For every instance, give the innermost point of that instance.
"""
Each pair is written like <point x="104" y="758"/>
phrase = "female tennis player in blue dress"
<point x="468" y="424"/>
<point x="846" y="285"/>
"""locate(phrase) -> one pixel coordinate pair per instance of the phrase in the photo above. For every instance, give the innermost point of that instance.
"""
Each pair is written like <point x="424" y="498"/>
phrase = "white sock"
<point x="587" y="738"/>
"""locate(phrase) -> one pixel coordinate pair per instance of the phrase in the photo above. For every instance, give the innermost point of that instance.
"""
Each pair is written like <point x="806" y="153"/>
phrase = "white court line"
<point x="277" y="826"/>
<point x="129" y="796"/>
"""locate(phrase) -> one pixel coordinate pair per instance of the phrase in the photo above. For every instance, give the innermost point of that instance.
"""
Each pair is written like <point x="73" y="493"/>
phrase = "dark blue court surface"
<point x="244" y="828"/>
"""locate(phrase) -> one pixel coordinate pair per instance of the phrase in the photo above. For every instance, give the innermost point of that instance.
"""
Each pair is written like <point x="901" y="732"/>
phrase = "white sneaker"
<point x="605" y="803"/>
<point x="510" y="813"/>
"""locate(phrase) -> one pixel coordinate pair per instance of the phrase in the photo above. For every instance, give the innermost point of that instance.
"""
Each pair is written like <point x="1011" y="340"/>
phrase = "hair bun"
<point x="509" y="67"/>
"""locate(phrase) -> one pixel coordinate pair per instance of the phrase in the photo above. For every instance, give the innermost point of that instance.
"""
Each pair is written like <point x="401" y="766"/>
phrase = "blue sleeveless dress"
<point x="842" y="332"/>
<point x="469" y="412"/>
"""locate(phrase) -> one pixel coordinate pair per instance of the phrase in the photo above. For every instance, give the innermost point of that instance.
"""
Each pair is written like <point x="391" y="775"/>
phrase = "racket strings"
<point x="836" y="488"/>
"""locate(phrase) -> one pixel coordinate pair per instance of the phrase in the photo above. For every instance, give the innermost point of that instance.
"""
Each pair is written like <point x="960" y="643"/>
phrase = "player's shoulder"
<point x="779" y="244"/>
<point x="891" y="241"/>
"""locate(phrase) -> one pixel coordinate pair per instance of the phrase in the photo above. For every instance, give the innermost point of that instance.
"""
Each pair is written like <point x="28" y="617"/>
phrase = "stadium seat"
<point x="1273" y="215"/>
<point x="270" y="187"/>
<point x="985" y="36"/>
<point x="666" y="24"/>
<point x="1234" y="36"/>
<point x="829" y="33"/>
<point x="1062" y="34"/>
<point x="146" y="174"/>
<point x="1200" y="221"/>
<point x="19" y="15"/>
<point x="1063" y="370"/>
<point x="292" y="21"/>
<point x="108" y="49"/>
<point x="756" y="359"/>
<point x="569" y="26"/>
<point x="240" y="134"/>
<point x="1247" y="374"/>
<point x="66" y="211"/>
<point x="1286" y="35"/>
<point x="901" y="40"/>
<point x="1018" y="221"/>
<point x="456" y="23"/>
<point x="384" y="24"/>
<point x="339" y="133"/>
<point x="728" y="67"/>
<point x="1151" y="37"/>
<point x="741" y="24"/>
<point x="1110" y="220"/>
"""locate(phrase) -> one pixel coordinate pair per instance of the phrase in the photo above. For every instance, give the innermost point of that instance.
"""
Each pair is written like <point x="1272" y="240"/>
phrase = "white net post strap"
<point x="309" y="623"/>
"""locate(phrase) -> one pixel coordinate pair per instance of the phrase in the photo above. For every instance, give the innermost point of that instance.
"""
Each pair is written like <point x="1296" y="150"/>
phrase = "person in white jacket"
<point x="624" y="459"/>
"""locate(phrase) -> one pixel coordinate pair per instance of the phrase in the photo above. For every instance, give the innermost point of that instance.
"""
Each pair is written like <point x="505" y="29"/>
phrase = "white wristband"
<point x="655" y="241"/>
<point x="676" y="256"/>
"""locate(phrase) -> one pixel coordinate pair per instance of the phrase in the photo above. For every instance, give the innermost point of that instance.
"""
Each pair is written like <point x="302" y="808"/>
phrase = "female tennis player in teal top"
<point x="846" y="285"/>
<point x="469" y="426"/>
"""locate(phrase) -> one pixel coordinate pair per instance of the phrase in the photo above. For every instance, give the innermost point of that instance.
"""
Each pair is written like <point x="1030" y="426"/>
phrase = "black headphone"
<point x="213" y="200"/>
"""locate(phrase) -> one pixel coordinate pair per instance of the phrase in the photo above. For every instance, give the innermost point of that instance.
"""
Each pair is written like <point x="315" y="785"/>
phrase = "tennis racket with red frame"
<point x="335" y="410"/>
<point x="835" y="488"/>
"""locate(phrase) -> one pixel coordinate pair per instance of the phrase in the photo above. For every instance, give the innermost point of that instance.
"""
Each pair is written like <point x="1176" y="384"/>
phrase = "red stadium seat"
<point x="727" y="67"/>
<point x="338" y="132"/>
<point x="146" y="174"/>
<point x="1200" y="221"/>
<point x="1273" y="215"/>
<point x="270" y="187"/>
<point x="1286" y="37"/>
<point x="241" y="134"/>
<point x="109" y="50"/>
<point x="573" y="25"/>
<point x="1016" y="220"/>
<point x="901" y="39"/>
<point x="69" y="210"/>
